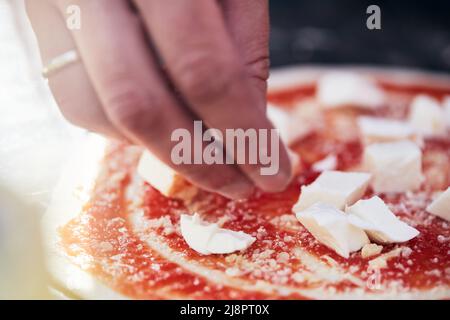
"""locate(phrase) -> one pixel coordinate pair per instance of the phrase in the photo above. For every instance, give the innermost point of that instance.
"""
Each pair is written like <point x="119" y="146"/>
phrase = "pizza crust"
<point x="68" y="199"/>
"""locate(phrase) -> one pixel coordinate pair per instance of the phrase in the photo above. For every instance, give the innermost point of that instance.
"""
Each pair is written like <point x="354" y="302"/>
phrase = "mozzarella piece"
<point x="343" y="89"/>
<point x="441" y="205"/>
<point x="307" y="117"/>
<point x="281" y="120"/>
<point x="370" y="250"/>
<point x="382" y="226"/>
<point x="376" y="130"/>
<point x="332" y="228"/>
<point x="155" y="172"/>
<point x="296" y="123"/>
<point x="396" y="166"/>
<point x="327" y="163"/>
<point x="427" y="116"/>
<point x="209" y="238"/>
<point x="164" y="179"/>
<point x="336" y="188"/>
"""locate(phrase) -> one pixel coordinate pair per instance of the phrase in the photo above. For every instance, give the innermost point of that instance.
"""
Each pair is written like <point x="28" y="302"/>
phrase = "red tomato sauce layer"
<point x="102" y="242"/>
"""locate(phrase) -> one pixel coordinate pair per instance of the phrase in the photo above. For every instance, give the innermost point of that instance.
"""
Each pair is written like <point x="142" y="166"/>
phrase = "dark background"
<point x="414" y="33"/>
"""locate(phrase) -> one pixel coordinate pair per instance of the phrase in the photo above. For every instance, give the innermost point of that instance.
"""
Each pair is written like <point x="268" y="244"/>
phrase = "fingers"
<point x="70" y="86"/>
<point x="133" y="94"/>
<point x="248" y="23"/>
<point x="206" y="67"/>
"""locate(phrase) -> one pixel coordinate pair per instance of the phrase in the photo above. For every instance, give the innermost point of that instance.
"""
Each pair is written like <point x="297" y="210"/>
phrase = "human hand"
<point x="215" y="58"/>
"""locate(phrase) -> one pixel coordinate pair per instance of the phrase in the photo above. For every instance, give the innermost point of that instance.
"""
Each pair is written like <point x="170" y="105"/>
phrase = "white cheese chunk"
<point x="307" y="117"/>
<point x="396" y="166"/>
<point x="375" y="130"/>
<point x="427" y="116"/>
<point x="370" y="250"/>
<point x="289" y="124"/>
<point x="209" y="238"/>
<point x="382" y="226"/>
<point x="441" y="205"/>
<point x="281" y="120"/>
<point x="164" y="179"/>
<point x="346" y="89"/>
<point x="332" y="228"/>
<point x="327" y="163"/>
<point x="157" y="173"/>
<point x="381" y="261"/>
<point x="336" y="188"/>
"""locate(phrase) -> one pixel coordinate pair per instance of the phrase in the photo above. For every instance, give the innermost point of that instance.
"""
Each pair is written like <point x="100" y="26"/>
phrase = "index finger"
<point x="206" y="67"/>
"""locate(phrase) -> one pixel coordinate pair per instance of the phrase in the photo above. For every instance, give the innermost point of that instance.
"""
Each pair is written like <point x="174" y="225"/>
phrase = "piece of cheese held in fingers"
<point x="295" y="123"/>
<point x="163" y="178"/>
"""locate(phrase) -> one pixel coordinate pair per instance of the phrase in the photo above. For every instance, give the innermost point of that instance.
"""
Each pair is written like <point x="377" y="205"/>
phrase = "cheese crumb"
<point x="105" y="246"/>
<point x="381" y="261"/>
<point x="371" y="249"/>
<point x="164" y="223"/>
<point x="233" y="272"/>
<point x="406" y="252"/>
<point x="283" y="257"/>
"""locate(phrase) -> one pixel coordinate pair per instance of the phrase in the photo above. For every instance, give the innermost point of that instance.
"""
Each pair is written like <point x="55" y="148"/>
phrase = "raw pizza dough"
<point x="74" y="276"/>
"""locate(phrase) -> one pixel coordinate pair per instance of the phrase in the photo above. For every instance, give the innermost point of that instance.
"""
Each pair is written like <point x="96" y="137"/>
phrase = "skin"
<point x="215" y="66"/>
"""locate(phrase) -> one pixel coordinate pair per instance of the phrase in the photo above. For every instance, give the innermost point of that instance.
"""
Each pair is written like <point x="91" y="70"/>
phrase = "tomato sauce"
<point x="110" y="249"/>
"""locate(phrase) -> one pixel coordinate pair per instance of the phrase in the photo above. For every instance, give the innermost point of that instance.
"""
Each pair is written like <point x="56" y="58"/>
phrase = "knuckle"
<point x="205" y="76"/>
<point x="259" y="67"/>
<point x="130" y="108"/>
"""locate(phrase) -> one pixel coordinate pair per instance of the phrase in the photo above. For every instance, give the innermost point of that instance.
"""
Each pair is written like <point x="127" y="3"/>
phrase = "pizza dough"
<point x="112" y="236"/>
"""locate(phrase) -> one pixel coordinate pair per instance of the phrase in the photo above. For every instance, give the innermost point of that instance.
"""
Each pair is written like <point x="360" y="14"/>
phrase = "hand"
<point x="215" y="54"/>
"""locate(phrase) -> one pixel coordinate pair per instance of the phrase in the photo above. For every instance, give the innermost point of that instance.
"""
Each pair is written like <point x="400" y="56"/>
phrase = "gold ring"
<point x="59" y="62"/>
